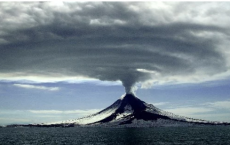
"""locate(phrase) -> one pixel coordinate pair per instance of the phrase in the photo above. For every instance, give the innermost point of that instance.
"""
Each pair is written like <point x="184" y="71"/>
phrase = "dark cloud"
<point x="108" y="41"/>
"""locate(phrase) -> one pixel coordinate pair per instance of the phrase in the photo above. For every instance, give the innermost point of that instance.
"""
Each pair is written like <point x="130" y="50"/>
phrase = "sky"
<point x="65" y="60"/>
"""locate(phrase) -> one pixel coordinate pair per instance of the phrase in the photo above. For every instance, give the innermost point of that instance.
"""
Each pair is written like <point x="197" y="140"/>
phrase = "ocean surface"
<point x="214" y="135"/>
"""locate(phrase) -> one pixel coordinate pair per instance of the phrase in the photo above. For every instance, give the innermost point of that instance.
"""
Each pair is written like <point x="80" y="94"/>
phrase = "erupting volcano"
<point x="133" y="112"/>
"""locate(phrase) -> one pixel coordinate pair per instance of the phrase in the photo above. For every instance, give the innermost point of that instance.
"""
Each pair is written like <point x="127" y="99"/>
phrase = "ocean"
<point x="207" y="135"/>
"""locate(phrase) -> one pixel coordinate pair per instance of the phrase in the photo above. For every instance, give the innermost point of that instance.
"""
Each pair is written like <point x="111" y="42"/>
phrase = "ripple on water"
<point x="111" y="136"/>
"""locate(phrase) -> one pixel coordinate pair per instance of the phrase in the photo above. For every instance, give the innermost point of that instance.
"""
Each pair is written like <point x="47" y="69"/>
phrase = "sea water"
<point x="210" y="135"/>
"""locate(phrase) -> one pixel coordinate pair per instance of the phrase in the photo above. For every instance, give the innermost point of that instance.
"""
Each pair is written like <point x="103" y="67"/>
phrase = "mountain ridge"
<point x="130" y="111"/>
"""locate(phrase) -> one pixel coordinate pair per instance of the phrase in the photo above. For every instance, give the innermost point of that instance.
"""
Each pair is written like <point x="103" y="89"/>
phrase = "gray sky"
<point x="128" y="41"/>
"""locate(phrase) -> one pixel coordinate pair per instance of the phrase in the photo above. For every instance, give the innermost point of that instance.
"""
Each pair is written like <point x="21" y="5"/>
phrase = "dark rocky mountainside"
<point x="130" y="111"/>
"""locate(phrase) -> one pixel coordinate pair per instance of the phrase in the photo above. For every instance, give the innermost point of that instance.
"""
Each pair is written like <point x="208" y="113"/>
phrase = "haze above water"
<point x="210" y="135"/>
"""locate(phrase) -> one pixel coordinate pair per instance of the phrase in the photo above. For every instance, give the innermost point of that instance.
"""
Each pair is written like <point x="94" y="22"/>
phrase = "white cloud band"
<point x="26" y="86"/>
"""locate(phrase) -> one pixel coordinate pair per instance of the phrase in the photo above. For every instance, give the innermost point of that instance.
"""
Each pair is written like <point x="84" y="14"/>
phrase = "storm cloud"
<point x="131" y="42"/>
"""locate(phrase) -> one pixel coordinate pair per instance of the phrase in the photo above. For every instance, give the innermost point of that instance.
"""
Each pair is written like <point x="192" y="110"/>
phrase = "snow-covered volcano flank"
<point x="131" y="111"/>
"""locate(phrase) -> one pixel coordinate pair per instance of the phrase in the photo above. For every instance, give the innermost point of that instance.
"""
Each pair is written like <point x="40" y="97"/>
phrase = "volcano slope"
<point x="130" y="111"/>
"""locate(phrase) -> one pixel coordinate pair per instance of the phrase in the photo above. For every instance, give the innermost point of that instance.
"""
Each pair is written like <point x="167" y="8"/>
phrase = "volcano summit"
<point x="132" y="112"/>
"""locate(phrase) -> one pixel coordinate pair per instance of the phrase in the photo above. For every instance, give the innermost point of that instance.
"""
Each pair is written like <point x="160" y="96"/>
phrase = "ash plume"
<point x="129" y="84"/>
<point x="114" y="41"/>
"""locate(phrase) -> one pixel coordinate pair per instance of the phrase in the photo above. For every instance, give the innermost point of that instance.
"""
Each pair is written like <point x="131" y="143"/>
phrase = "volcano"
<point x="131" y="111"/>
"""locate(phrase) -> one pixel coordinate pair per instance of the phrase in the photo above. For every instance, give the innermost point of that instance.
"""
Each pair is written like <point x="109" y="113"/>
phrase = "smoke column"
<point x="129" y="84"/>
